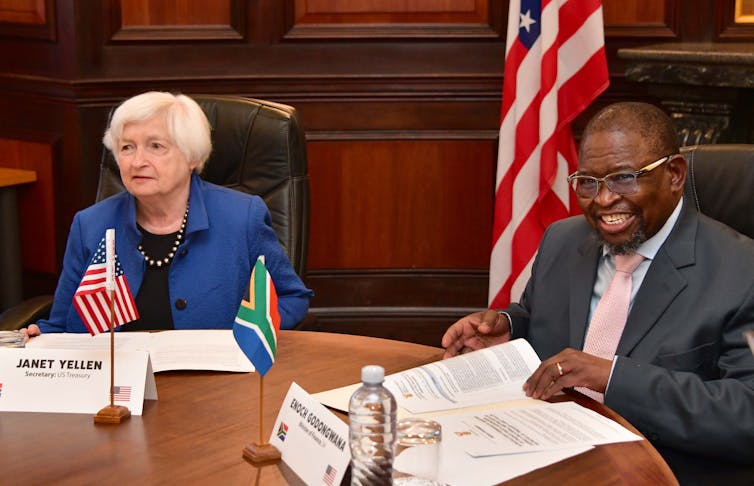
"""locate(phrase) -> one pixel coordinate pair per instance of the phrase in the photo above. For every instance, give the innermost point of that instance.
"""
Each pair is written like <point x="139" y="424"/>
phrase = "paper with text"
<point x="489" y="375"/>
<point x="205" y="349"/>
<point x="550" y="426"/>
<point x="460" y="469"/>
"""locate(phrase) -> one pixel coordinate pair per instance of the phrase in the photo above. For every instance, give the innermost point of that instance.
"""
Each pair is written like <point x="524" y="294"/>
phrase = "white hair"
<point x="188" y="127"/>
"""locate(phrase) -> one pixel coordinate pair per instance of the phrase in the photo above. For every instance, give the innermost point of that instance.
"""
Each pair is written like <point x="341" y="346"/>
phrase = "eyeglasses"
<point x="621" y="183"/>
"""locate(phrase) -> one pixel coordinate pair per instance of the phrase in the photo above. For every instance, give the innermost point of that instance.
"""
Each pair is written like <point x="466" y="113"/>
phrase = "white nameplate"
<point x="73" y="381"/>
<point x="311" y="439"/>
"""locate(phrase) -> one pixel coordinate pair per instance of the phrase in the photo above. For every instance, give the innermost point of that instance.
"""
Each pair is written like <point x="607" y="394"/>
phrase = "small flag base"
<point x="258" y="454"/>
<point x="112" y="414"/>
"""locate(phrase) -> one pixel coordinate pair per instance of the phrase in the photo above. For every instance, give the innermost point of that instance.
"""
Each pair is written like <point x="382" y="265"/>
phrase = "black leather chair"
<point x="258" y="147"/>
<point x="720" y="183"/>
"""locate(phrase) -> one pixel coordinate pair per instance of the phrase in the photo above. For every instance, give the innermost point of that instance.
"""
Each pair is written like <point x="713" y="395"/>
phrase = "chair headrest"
<point x="720" y="183"/>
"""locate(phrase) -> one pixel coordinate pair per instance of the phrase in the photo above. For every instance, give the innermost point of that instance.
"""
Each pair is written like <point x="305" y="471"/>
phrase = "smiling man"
<point x="665" y="346"/>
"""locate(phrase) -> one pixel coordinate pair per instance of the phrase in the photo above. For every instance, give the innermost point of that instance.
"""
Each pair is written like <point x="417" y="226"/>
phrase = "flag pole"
<point x="112" y="348"/>
<point x="261" y="410"/>
<point x="111" y="414"/>
<point x="262" y="452"/>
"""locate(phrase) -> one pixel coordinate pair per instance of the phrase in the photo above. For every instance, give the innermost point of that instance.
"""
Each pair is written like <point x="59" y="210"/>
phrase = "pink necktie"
<point x="611" y="313"/>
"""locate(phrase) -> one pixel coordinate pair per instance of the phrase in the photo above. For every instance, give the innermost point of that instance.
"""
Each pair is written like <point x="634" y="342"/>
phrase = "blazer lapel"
<point x="663" y="281"/>
<point x="127" y="242"/>
<point x="582" y="272"/>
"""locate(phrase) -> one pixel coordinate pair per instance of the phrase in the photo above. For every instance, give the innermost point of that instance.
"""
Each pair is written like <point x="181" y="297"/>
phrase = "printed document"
<point x="527" y="429"/>
<point x="489" y="375"/>
<point x="188" y="349"/>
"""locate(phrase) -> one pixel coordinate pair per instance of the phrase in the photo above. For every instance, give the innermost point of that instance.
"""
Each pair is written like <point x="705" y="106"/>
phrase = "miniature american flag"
<point x="121" y="393"/>
<point x="92" y="301"/>
<point x="329" y="476"/>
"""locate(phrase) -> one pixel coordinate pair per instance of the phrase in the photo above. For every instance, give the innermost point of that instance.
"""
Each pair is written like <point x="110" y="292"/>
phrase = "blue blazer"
<point x="225" y="233"/>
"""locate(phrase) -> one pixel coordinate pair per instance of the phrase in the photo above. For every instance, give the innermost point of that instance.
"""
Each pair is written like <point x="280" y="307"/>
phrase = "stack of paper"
<point x="11" y="339"/>
<point x="210" y="349"/>
<point x="491" y="431"/>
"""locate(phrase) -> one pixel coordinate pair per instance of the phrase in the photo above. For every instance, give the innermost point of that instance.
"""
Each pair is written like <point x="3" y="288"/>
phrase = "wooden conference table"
<point x="195" y="432"/>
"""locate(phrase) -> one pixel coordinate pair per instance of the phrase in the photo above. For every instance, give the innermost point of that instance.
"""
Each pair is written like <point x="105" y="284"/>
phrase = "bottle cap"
<point x="372" y="374"/>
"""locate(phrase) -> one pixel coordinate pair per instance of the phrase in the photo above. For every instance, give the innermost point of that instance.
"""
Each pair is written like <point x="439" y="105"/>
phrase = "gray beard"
<point x="629" y="246"/>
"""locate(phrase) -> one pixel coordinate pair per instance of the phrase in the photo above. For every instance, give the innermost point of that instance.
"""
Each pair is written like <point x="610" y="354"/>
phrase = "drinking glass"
<point x="417" y="452"/>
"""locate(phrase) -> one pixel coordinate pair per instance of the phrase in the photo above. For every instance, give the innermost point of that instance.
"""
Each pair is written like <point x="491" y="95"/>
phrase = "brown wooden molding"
<point x="333" y="135"/>
<point x="176" y="33"/>
<point x="36" y="21"/>
<point x="392" y="31"/>
<point x="658" y="19"/>
<point x="484" y="19"/>
<point x="641" y="31"/>
<point x="402" y="288"/>
<point x="117" y="32"/>
<point x="726" y="27"/>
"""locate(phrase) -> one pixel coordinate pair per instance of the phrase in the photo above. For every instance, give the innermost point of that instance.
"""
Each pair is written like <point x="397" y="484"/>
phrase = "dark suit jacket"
<point x="684" y="375"/>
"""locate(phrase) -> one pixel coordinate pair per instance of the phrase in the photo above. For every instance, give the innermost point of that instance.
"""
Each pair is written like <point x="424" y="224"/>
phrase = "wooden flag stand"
<point x="261" y="453"/>
<point x="112" y="414"/>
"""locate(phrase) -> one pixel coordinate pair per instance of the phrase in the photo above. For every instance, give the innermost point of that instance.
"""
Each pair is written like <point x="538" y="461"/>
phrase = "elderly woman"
<point x="186" y="246"/>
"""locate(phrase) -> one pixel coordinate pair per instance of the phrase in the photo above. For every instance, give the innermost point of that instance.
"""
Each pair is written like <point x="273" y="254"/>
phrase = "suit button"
<point x="180" y="304"/>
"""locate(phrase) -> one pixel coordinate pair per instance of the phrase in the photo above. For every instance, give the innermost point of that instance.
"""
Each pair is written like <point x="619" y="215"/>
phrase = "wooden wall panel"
<point x="735" y="21"/>
<point x="22" y="11"/>
<point x="392" y="11"/>
<point x="145" y="13"/>
<point x="633" y="12"/>
<point x="35" y="202"/>
<point x="372" y="19"/>
<point x="401" y="204"/>
<point x="27" y="18"/>
<point x="153" y="20"/>
<point x="641" y="18"/>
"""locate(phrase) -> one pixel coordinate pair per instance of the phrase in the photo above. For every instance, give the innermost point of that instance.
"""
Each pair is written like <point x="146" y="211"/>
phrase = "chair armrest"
<point x="26" y="312"/>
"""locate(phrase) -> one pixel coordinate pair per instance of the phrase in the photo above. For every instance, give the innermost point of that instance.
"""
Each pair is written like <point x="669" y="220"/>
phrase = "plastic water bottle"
<point x="371" y="418"/>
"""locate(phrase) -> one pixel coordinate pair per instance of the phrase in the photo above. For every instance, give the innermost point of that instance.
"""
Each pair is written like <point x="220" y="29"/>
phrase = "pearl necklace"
<point x="178" y="238"/>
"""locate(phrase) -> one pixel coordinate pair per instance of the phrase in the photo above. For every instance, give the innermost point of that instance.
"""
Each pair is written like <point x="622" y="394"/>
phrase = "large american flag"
<point x="555" y="66"/>
<point x="92" y="301"/>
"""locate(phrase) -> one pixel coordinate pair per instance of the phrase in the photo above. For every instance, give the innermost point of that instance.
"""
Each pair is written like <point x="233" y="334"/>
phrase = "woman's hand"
<point x="30" y="332"/>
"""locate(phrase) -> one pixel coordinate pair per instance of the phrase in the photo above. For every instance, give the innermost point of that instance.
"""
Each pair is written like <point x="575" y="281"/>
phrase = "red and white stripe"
<point x="544" y="89"/>
<point x="92" y="301"/>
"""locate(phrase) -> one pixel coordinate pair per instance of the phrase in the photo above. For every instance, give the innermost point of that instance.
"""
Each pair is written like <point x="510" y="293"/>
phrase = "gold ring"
<point x="560" y="368"/>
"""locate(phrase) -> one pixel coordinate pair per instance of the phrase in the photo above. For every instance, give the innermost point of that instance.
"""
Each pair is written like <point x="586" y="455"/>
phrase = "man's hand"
<point x="567" y="369"/>
<point x="30" y="332"/>
<point x="476" y="331"/>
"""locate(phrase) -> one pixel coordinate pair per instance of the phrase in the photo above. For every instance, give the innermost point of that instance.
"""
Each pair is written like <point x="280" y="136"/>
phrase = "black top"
<point x="153" y="299"/>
